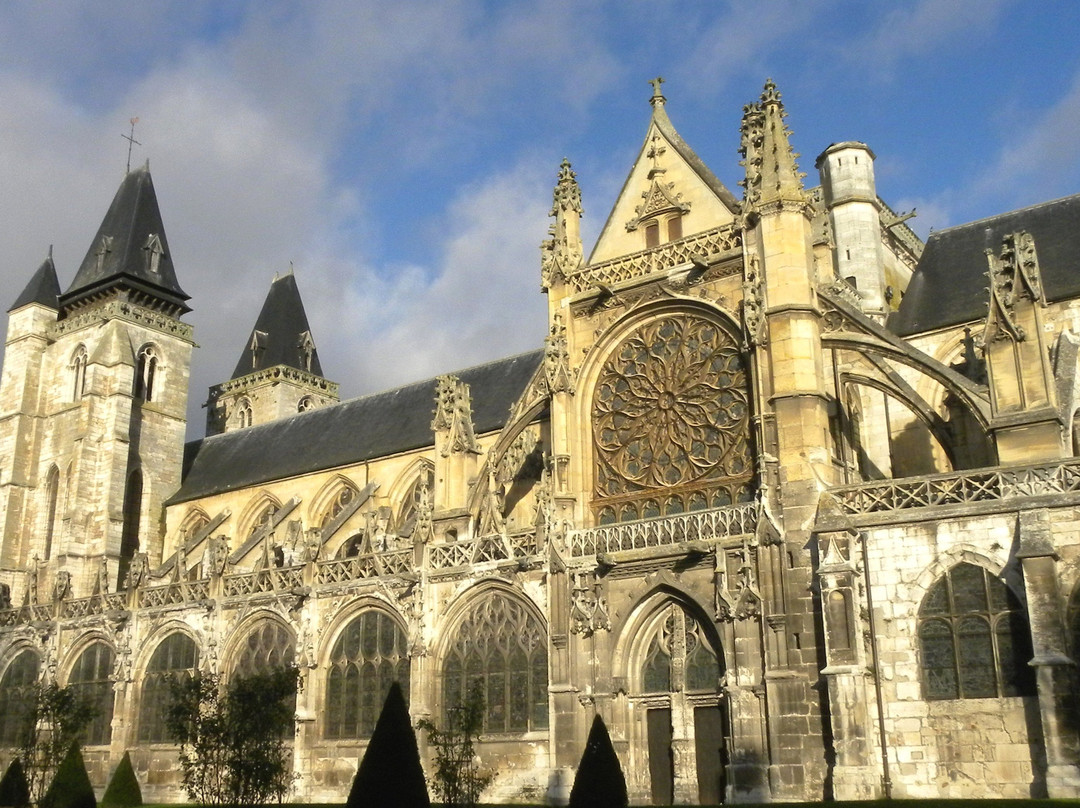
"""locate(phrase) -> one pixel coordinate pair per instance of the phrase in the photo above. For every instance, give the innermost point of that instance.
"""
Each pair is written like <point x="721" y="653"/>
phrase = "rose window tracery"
<point x="670" y="421"/>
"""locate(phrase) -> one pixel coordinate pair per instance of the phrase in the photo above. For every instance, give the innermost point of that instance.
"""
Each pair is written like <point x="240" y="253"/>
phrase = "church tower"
<point x="93" y="401"/>
<point x="278" y="373"/>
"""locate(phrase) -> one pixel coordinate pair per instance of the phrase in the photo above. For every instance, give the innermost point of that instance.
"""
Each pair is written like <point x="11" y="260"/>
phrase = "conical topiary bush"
<point x="123" y="790"/>
<point x="599" y="782"/>
<point x="70" y="787"/>
<point x="14" y="790"/>
<point x="390" y="773"/>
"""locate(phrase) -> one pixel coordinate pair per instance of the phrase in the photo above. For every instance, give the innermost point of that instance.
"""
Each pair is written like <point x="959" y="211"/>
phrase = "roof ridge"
<point x="1003" y="214"/>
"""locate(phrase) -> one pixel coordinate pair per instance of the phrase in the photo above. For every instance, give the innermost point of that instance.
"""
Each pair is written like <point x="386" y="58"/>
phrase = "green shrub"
<point x="123" y="790"/>
<point x="71" y="787"/>
<point x="390" y="773"/>
<point x="14" y="790"/>
<point x="599" y="782"/>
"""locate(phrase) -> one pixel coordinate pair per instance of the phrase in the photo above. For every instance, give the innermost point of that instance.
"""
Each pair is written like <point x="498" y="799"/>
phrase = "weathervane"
<point x="130" y="138"/>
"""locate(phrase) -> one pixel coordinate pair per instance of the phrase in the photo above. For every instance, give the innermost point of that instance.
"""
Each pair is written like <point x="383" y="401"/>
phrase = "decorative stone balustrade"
<point x="664" y="531"/>
<point x="493" y="548"/>
<point x="361" y="567"/>
<point x="272" y="579"/>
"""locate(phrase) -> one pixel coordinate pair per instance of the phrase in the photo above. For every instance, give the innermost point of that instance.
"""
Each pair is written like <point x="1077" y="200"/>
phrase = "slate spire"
<point x="130" y="252"/>
<point x="43" y="288"/>
<point x="281" y="335"/>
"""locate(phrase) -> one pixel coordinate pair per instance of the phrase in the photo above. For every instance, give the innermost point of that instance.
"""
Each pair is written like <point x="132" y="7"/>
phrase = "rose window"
<point x="670" y="422"/>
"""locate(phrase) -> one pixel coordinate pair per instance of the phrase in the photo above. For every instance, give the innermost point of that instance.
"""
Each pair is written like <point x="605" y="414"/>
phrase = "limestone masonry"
<point x="789" y="497"/>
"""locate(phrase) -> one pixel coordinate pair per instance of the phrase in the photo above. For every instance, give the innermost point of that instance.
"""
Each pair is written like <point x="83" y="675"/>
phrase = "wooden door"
<point x="661" y="765"/>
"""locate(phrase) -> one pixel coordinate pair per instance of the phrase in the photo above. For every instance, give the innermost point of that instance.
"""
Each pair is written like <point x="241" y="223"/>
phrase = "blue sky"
<point x="401" y="155"/>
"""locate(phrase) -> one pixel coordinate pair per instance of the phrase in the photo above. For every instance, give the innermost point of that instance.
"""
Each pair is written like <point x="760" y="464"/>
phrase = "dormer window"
<point x="671" y="226"/>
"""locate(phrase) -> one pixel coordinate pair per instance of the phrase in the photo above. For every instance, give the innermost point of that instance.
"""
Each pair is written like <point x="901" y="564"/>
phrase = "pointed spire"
<point x="772" y="175"/>
<point x="43" y="288"/>
<point x="563" y="251"/>
<point x="130" y="251"/>
<point x="281" y="335"/>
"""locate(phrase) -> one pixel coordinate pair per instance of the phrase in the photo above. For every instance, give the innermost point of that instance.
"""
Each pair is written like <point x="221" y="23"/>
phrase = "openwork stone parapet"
<point x="122" y="310"/>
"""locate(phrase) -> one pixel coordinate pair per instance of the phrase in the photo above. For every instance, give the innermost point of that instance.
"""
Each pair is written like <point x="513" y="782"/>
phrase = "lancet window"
<point x="78" y="373"/>
<point x="671" y="422"/>
<point x="52" y="495"/>
<point x="369" y="656"/>
<point x="91" y="678"/>
<point x="146" y="373"/>
<point x="678" y="656"/>
<point x="176" y="655"/>
<point x="342" y="497"/>
<point x="19" y="680"/>
<point x="502" y="645"/>
<point x="244" y="414"/>
<point x="974" y="638"/>
<point x="419" y="493"/>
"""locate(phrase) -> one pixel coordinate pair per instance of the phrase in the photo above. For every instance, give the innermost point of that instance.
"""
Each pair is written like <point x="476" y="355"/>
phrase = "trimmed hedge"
<point x="70" y="787"/>
<point x="14" y="790"/>
<point x="599" y="782"/>
<point x="390" y="773"/>
<point x="123" y="790"/>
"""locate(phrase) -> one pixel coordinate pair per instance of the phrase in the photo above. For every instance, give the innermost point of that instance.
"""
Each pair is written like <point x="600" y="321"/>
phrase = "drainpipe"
<point x="886" y="781"/>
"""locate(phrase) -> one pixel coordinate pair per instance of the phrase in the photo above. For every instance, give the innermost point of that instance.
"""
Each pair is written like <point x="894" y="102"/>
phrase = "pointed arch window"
<point x="973" y="637"/>
<point x="245" y="416"/>
<point x="52" y="495"/>
<point x="264" y="517"/>
<point x="91" y="678"/>
<point x="146" y="373"/>
<point x="129" y="538"/>
<point x="345" y="494"/>
<point x="370" y="655"/>
<point x="678" y="655"/>
<point x="269" y="646"/>
<point x="305" y="404"/>
<point x="416" y="499"/>
<point x="78" y="373"/>
<point x="503" y="646"/>
<point x="176" y="656"/>
<point x="16" y="691"/>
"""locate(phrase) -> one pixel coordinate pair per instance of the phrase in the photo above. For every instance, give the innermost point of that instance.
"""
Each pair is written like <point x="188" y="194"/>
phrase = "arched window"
<point x="269" y="646"/>
<point x="129" y="537"/>
<point x="78" y="373"/>
<point x="16" y="696"/>
<point x="344" y="495"/>
<point x="90" y="678"/>
<point x="176" y="655"/>
<point x="974" y="638"/>
<point x="305" y="404"/>
<point x="419" y="494"/>
<point x="678" y="655"/>
<point x="244" y="414"/>
<point x="671" y="422"/>
<point x="263" y="518"/>
<point x="52" y="494"/>
<point x="370" y="655"/>
<point x="146" y="373"/>
<point x="503" y="646"/>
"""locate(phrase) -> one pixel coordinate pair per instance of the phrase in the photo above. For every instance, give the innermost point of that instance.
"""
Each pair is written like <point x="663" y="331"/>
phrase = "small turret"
<point x="278" y="373"/>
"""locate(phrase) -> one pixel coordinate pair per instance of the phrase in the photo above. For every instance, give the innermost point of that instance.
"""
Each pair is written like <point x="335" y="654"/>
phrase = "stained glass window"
<point x="269" y="646"/>
<point x="369" y="656"/>
<point x="678" y="656"/>
<point x="16" y="687"/>
<point x="503" y="646"/>
<point x="176" y="655"/>
<point x="91" y="679"/>
<point x="974" y="638"/>
<point x="671" y="416"/>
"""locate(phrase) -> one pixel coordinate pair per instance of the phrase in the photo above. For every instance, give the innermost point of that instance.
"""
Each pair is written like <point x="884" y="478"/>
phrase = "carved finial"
<point x="563" y="251"/>
<point x="657" y="96"/>
<point x="770" y="95"/>
<point x="772" y="175"/>
<point x="453" y="414"/>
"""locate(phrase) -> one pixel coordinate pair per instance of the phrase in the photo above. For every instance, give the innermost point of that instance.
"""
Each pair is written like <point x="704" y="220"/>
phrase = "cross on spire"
<point x="657" y="96"/>
<point x="130" y="138"/>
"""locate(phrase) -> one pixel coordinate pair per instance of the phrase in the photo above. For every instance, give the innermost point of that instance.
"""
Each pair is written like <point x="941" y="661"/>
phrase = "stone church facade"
<point x="786" y="495"/>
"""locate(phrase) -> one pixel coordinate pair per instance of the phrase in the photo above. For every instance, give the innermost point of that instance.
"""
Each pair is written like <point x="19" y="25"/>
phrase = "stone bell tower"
<point x="93" y="403"/>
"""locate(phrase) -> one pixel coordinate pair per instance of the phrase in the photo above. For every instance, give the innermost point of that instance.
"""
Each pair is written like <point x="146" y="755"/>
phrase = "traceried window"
<point x="78" y="373"/>
<point x="305" y="404"/>
<point x="678" y="656"/>
<point x="369" y="656"/>
<point x="16" y="687"/>
<point x="264" y="519"/>
<point x="146" y="373"/>
<point x="974" y="638"/>
<point x="503" y="646"/>
<point x="176" y="655"/>
<point x="269" y="646"/>
<point x="671" y="422"/>
<point x="91" y="679"/>
<point x="419" y="493"/>
<point x="244" y="415"/>
<point x="344" y="495"/>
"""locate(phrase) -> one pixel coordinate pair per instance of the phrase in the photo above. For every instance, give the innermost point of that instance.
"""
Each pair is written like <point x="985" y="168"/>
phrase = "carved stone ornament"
<point x="588" y="606"/>
<point x="752" y="137"/>
<point x="659" y="198"/>
<point x="137" y="571"/>
<point x="62" y="585"/>
<point x="562" y="253"/>
<point x="753" y="308"/>
<point x="738" y="599"/>
<point x="1014" y="276"/>
<point x="557" y="359"/>
<point x="670" y="408"/>
<point x="453" y="414"/>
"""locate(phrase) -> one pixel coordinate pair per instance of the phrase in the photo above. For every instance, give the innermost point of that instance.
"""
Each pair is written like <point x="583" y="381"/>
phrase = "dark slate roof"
<point x="278" y="332"/>
<point x="132" y="221"/>
<point x="43" y="287"/>
<point x="949" y="286"/>
<point x="347" y="433"/>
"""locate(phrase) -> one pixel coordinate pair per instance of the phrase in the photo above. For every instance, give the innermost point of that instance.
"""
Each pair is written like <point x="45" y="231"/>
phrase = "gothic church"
<point x="786" y="495"/>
